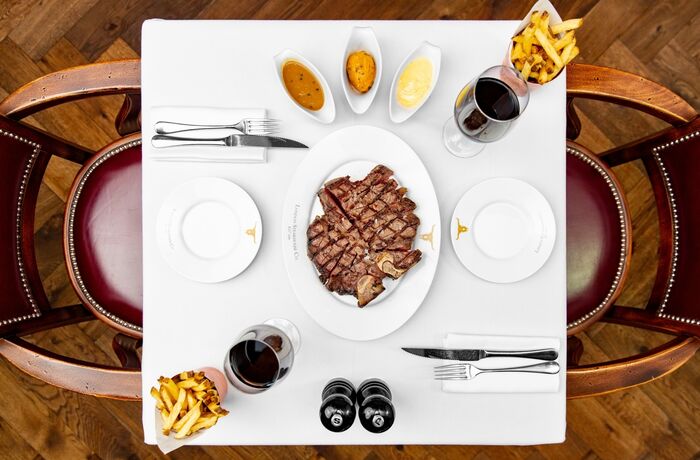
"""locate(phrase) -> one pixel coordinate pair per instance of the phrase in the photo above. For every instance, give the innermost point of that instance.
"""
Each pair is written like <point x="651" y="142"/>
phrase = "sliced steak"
<point x="365" y="234"/>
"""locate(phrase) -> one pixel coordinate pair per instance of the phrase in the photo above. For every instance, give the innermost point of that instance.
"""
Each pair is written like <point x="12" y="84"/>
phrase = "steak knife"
<point x="546" y="354"/>
<point x="233" y="140"/>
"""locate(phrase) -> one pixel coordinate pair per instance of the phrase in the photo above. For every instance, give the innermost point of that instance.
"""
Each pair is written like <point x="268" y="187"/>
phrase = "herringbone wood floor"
<point x="657" y="39"/>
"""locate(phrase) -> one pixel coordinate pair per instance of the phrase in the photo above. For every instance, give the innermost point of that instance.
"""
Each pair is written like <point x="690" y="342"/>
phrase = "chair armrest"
<point x="72" y="374"/>
<point x="598" y="379"/>
<point x="104" y="78"/>
<point x="624" y="88"/>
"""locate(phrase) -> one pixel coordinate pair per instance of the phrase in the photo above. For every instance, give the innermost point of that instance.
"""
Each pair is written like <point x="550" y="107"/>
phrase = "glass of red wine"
<point x="262" y="356"/>
<point x="485" y="110"/>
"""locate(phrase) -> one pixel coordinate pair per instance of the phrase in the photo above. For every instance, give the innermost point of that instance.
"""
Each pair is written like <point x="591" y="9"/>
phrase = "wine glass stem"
<point x="458" y="143"/>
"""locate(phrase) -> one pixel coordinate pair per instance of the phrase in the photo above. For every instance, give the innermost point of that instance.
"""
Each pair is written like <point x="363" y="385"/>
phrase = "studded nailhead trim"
<point x="18" y="228"/>
<point x="674" y="214"/>
<point x="71" y="243"/>
<point x="623" y="234"/>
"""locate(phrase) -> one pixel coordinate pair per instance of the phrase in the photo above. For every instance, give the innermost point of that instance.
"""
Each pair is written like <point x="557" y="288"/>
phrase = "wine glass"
<point x="262" y="356"/>
<point x="485" y="110"/>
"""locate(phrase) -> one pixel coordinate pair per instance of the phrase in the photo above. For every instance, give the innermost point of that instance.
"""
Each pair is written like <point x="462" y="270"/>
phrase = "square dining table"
<point x="189" y="325"/>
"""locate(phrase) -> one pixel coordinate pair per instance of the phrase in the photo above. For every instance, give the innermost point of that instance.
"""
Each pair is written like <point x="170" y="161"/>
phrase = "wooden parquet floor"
<point x="657" y="39"/>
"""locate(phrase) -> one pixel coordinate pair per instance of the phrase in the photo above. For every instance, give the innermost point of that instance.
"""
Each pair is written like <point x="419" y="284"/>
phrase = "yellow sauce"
<point x="302" y="85"/>
<point x="414" y="82"/>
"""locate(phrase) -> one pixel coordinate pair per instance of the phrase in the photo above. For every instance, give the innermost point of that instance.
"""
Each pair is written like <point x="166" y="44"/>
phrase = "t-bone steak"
<point x="365" y="234"/>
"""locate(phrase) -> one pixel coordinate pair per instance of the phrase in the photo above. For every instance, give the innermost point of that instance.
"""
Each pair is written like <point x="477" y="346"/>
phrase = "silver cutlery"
<point x="234" y="140"/>
<point x="256" y="126"/>
<point x="545" y="354"/>
<point x="466" y="371"/>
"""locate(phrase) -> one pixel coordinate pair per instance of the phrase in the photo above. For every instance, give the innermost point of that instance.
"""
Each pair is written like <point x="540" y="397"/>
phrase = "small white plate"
<point x="503" y="230"/>
<point x="397" y="112"/>
<point x="325" y="114"/>
<point x="208" y="229"/>
<point x="361" y="39"/>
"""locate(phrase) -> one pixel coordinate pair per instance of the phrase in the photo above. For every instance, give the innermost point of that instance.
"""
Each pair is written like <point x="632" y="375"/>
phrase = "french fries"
<point x="187" y="403"/>
<point x="170" y="387"/>
<point x="166" y="398"/>
<point x="548" y="48"/>
<point x="571" y="24"/>
<point x="539" y="52"/>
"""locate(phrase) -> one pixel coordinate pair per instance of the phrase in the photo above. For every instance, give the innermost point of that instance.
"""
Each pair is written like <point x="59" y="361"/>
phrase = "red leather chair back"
<point x="23" y="160"/>
<point x="674" y="169"/>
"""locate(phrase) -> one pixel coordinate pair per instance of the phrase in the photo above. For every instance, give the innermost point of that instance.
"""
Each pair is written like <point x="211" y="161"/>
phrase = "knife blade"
<point x="547" y="354"/>
<point x="234" y="140"/>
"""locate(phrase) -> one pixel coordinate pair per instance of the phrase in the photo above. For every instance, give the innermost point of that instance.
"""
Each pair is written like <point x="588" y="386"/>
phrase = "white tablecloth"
<point x="229" y="64"/>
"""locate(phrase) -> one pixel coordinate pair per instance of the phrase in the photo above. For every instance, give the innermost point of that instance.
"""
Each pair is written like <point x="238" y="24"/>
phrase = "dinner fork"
<point x="466" y="371"/>
<point x="255" y="126"/>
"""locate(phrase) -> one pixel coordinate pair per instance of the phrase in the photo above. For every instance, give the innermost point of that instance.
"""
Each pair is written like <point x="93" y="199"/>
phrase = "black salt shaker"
<point x="376" y="410"/>
<point x="338" y="407"/>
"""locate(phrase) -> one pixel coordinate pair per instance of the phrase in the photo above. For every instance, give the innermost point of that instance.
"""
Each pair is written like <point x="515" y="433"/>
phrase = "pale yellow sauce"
<point x="415" y="82"/>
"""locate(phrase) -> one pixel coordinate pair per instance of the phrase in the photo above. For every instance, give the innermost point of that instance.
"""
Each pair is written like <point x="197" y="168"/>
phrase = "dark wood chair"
<point x="598" y="261"/>
<point x="24" y="307"/>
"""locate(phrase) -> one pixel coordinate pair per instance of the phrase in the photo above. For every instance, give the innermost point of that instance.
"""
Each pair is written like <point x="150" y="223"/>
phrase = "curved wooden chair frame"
<point x="117" y="77"/>
<point x="629" y="90"/>
<point x="101" y="79"/>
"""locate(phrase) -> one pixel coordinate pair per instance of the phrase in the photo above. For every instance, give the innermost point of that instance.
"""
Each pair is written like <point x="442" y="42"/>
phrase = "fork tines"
<point x="262" y="125"/>
<point x="457" y="371"/>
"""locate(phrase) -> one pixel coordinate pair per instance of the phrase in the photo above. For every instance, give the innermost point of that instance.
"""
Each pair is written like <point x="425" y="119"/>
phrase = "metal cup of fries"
<point x="543" y="44"/>
<point x="186" y="405"/>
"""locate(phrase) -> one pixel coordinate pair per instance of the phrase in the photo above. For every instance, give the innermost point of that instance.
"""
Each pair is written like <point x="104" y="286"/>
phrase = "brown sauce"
<point x="302" y="85"/>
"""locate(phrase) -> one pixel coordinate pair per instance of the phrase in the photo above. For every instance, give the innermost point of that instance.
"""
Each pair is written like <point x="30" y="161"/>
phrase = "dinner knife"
<point x="233" y="140"/>
<point x="547" y="354"/>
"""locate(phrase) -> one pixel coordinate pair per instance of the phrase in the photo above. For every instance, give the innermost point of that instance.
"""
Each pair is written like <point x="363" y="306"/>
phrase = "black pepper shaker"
<point x="338" y="407"/>
<point x="376" y="410"/>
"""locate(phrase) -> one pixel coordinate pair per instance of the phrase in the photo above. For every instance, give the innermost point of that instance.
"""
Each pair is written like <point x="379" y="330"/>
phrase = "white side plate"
<point x="355" y="150"/>
<point x="208" y="229"/>
<point x="503" y="230"/>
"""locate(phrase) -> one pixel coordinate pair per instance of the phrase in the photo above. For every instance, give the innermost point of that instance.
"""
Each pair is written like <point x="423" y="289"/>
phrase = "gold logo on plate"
<point x="429" y="237"/>
<point x="461" y="228"/>
<point x="251" y="232"/>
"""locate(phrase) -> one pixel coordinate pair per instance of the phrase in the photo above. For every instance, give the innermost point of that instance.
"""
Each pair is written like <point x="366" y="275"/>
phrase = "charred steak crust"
<point x="365" y="234"/>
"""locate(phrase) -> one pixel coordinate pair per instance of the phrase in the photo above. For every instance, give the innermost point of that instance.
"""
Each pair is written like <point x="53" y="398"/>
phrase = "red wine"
<point x="254" y="363"/>
<point x="496" y="99"/>
<point x="493" y="100"/>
